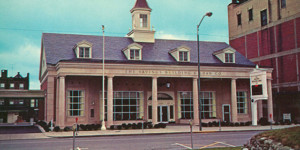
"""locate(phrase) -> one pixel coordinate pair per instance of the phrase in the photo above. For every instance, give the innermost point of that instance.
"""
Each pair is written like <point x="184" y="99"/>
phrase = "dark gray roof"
<point x="59" y="47"/>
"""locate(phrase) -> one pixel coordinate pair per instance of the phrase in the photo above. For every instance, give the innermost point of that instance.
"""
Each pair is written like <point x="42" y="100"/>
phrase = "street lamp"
<point x="200" y="104"/>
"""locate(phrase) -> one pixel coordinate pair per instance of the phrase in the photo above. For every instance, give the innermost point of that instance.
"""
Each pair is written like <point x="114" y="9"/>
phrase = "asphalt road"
<point x="137" y="142"/>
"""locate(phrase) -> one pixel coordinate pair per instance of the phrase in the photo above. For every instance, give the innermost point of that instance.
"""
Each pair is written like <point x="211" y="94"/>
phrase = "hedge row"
<point x="224" y="124"/>
<point x="139" y="125"/>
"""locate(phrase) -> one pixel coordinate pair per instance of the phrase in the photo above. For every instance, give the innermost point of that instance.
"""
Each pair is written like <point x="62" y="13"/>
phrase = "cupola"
<point x="141" y="26"/>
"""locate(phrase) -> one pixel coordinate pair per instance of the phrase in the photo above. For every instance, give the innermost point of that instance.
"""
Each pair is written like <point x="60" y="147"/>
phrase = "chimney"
<point x="3" y="73"/>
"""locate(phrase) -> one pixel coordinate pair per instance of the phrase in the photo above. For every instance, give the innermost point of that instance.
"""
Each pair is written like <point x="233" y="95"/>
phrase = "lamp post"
<point x="103" y="79"/>
<point x="200" y="104"/>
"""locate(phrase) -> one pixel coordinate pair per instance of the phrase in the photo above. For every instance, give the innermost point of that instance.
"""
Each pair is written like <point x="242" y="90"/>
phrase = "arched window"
<point x="162" y="96"/>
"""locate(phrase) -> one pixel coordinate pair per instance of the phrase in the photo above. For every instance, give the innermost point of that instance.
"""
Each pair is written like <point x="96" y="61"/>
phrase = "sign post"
<point x="271" y="120"/>
<point x="191" y="127"/>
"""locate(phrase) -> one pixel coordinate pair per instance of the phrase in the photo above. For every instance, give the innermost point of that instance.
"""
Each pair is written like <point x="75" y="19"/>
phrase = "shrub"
<point x="215" y="123"/>
<point x="57" y="128"/>
<point x="204" y="124"/>
<point x="237" y="124"/>
<point x="162" y="125"/>
<point x="248" y="123"/>
<point x="276" y="123"/>
<point x="83" y="127"/>
<point x="112" y="127"/>
<point x="89" y="127"/>
<point x="242" y="123"/>
<point x="210" y="124"/>
<point x="124" y="125"/>
<point x="150" y="125"/>
<point x="231" y="124"/>
<point x="223" y="123"/>
<point x="119" y="127"/>
<point x="263" y="121"/>
<point x="134" y="126"/>
<point x="287" y="122"/>
<point x="139" y="125"/>
<point x="295" y="121"/>
<point x="67" y="129"/>
<point x="156" y="126"/>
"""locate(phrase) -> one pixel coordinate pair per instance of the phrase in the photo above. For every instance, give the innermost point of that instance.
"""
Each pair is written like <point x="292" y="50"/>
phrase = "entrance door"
<point x="226" y="112"/>
<point x="162" y="114"/>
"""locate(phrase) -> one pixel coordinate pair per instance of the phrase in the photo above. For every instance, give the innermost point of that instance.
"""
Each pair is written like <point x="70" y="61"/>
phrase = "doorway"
<point x="162" y="114"/>
<point x="226" y="112"/>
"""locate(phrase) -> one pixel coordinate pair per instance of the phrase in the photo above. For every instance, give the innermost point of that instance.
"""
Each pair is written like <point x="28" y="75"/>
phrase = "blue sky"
<point x="22" y="23"/>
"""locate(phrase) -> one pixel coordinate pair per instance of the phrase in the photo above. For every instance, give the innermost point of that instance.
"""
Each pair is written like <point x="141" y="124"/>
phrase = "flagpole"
<point x="103" y="82"/>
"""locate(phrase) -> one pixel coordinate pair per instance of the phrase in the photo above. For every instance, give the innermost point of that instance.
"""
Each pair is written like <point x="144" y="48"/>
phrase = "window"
<point x="12" y="85"/>
<point x="33" y="103"/>
<point x="75" y="103"/>
<point x="264" y="17"/>
<point x="92" y="113"/>
<point x="84" y="52"/>
<point x="143" y="20"/>
<point x="283" y="3"/>
<point x="21" y="86"/>
<point x="134" y="54"/>
<point x="250" y="14"/>
<point x="208" y="105"/>
<point x="127" y="105"/>
<point x="186" y="105"/>
<point x="16" y="102"/>
<point x="241" y="102"/>
<point x="183" y="56"/>
<point x="228" y="57"/>
<point x="2" y="85"/>
<point x="239" y="19"/>
<point x="2" y="102"/>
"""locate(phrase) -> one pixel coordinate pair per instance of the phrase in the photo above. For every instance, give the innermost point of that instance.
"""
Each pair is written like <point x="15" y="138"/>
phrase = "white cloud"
<point x="164" y="35"/>
<point x="24" y="60"/>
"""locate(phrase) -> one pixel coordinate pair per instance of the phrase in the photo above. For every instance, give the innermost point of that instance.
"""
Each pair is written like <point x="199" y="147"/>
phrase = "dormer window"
<point x="226" y="55"/>
<point x="83" y="49"/>
<point x="229" y="57"/>
<point x="181" y="54"/>
<point x="143" y="20"/>
<point x="135" y="54"/>
<point x="84" y="52"/>
<point x="133" y="51"/>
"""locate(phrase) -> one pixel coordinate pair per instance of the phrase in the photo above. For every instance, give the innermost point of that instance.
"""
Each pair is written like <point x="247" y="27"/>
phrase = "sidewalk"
<point x="171" y="129"/>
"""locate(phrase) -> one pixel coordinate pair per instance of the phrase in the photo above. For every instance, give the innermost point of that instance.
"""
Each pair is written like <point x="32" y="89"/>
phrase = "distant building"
<point x="268" y="33"/>
<point x="17" y="102"/>
<point x="148" y="79"/>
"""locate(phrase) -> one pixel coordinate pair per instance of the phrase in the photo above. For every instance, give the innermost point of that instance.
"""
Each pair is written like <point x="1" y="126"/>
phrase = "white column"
<point x="109" y="101"/>
<point x="233" y="101"/>
<point x="60" y="116"/>
<point x="260" y="109"/>
<point x="254" y="112"/>
<point x="195" y="101"/>
<point x="154" y="100"/>
<point x="270" y="100"/>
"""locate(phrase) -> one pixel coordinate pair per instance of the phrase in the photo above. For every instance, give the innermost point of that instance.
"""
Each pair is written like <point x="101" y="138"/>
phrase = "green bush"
<point x="57" y="128"/>
<point x="67" y="129"/>
<point x="119" y="127"/>
<point x="112" y="127"/>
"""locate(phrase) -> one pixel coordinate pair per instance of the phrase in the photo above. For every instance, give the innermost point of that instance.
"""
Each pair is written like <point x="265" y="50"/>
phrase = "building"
<point x="146" y="79"/>
<point x="267" y="33"/>
<point x="17" y="102"/>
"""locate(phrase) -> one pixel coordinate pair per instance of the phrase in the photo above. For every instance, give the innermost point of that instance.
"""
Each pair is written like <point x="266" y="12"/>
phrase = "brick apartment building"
<point x="267" y="32"/>
<point x="17" y="102"/>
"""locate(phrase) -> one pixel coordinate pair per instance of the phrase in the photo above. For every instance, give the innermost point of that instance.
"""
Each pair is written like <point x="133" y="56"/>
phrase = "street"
<point x="135" y="142"/>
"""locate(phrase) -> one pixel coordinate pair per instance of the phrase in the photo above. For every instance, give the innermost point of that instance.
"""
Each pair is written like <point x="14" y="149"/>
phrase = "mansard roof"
<point x="59" y="47"/>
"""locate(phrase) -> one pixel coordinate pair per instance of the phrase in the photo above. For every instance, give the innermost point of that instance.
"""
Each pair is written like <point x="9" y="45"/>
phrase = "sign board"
<point x="287" y="116"/>
<point x="258" y="84"/>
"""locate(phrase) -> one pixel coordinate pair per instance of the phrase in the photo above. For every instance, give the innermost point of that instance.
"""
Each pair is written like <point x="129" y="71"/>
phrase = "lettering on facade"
<point x="171" y="72"/>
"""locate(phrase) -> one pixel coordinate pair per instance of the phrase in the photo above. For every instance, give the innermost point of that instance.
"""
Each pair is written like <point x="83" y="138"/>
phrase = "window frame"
<point x="212" y="112"/>
<point x="143" y="20"/>
<point x="2" y="85"/>
<point x="239" y="19"/>
<point x="264" y="17"/>
<point x="250" y="14"/>
<point x="229" y="57"/>
<point x="12" y="85"/>
<point x="21" y="87"/>
<point x="242" y="102"/>
<point x="134" y="54"/>
<point x="84" y="52"/>
<point x="183" y="56"/>
<point x="80" y="104"/>
<point x="282" y="4"/>
<point x="2" y="102"/>
<point x="186" y="101"/>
